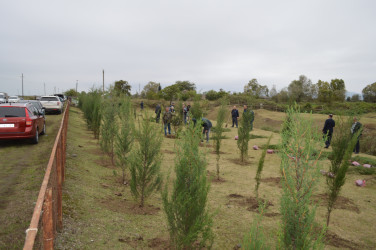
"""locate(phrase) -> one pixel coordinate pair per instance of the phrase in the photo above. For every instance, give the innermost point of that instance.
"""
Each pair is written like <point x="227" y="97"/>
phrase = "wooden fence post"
<point x="48" y="232"/>
<point x="59" y="185"/>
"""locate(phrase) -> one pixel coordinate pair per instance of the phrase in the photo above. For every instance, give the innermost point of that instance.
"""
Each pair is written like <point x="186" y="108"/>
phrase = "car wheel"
<point x="35" y="140"/>
<point x="44" y="129"/>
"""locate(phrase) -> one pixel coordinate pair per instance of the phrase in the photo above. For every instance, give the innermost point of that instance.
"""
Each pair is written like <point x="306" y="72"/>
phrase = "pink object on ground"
<point x="360" y="183"/>
<point x="270" y="151"/>
<point x="255" y="147"/>
<point x="355" y="163"/>
<point x="367" y="165"/>
<point x="236" y="137"/>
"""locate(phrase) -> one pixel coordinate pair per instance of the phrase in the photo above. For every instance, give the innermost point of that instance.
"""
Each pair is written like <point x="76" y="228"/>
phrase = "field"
<point x="99" y="212"/>
<point x="21" y="174"/>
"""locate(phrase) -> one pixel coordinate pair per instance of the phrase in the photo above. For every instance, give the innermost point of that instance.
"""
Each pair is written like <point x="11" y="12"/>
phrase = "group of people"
<point x="235" y="115"/>
<point x="329" y="128"/>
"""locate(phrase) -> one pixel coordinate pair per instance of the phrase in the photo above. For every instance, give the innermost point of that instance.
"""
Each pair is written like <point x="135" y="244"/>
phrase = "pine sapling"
<point x="342" y="144"/>
<point x="186" y="210"/>
<point x="300" y="172"/>
<point x="244" y="135"/>
<point x="124" y="138"/>
<point x="221" y="116"/>
<point x="108" y="128"/>
<point x="145" y="162"/>
<point x="261" y="166"/>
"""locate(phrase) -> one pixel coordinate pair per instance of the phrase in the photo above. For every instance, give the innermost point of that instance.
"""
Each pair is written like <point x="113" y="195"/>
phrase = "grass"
<point x="21" y="176"/>
<point x="99" y="212"/>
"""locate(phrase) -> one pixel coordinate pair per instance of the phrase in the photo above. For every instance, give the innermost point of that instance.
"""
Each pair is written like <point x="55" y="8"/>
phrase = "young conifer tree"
<point x="186" y="210"/>
<point x="244" y="136"/>
<point x="145" y="161"/>
<point x="108" y="128"/>
<point x="261" y="166"/>
<point x="196" y="110"/>
<point x="221" y="116"/>
<point x="300" y="172"/>
<point x="342" y="144"/>
<point x="124" y="138"/>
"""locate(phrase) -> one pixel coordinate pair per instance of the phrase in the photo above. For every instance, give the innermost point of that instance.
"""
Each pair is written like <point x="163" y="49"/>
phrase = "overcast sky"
<point x="215" y="44"/>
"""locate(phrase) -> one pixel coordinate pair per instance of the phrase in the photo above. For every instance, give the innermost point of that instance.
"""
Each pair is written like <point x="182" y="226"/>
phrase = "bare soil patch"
<point x="132" y="240"/>
<point x="273" y="181"/>
<point x="166" y="151"/>
<point x="251" y="203"/>
<point x="341" y="203"/>
<point x="220" y="152"/>
<point x="159" y="243"/>
<point x="121" y="205"/>
<point x="205" y="145"/>
<point x="334" y="240"/>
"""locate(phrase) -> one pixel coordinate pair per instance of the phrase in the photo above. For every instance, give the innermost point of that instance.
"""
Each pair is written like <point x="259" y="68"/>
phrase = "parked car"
<point x="3" y="97"/>
<point x="52" y="104"/>
<point x="62" y="97"/>
<point x="21" y="121"/>
<point x="36" y="104"/>
<point x="13" y="99"/>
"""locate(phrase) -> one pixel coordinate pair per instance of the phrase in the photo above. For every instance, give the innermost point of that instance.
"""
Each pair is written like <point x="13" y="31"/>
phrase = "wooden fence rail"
<point x="49" y="202"/>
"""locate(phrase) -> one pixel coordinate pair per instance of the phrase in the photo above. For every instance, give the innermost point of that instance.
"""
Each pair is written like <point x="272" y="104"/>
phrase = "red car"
<point x="21" y="121"/>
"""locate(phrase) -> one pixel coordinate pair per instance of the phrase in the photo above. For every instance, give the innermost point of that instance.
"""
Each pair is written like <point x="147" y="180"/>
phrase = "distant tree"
<point x="150" y="90"/>
<point x="169" y="93"/>
<point x="122" y="87"/>
<point x="355" y="98"/>
<point x="273" y="92"/>
<point x="185" y="85"/>
<point x="213" y="95"/>
<point x="369" y="93"/>
<point x="324" y="91"/>
<point x="255" y="89"/>
<point x="282" y="96"/>
<point x="300" y="90"/>
<point x="71" y="92"/>
<point x="338" y="89"/>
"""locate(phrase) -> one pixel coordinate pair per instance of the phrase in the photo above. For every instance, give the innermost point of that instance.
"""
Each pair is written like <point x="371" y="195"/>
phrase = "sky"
<point x="213" y="43"/>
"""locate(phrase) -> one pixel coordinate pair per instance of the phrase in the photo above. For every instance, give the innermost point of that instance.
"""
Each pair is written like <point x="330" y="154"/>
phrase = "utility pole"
<point x="76" y="85"/>
<point x="44" y="88"/>
<point x="22" y="86"/>
<point x="103" y="81"/>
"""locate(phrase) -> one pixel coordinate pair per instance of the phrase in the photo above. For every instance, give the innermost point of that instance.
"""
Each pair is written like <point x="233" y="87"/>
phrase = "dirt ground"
<point x="100" y="213"/>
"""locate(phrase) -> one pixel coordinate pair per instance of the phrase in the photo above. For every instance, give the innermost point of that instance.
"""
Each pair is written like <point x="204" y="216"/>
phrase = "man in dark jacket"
<point x="142" y="105"/>
<point x="354" y="129"/>
<point x="158" y="113"/>
<point x="206" y="123"/>
<point x="328" y="130"/>
<point x="234" y="115"/>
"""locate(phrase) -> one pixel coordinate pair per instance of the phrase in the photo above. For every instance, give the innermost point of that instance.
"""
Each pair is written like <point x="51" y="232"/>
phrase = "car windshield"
<point x="12" y="112"/>
<point x="37" y="105"/>
<point x="49" y="98"/>
<point x="1" y="96"/>
<point x="13" y="97"/>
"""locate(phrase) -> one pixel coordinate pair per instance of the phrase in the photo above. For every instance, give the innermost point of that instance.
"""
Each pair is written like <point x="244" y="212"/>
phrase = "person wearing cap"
<point x="167" y="118"/>
<point x="354" y="129"/>
<point x="234" y="115"/>
<point x="328" y="130"/>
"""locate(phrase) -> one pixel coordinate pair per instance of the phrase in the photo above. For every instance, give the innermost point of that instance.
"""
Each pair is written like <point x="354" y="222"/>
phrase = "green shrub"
<point x="299" y="179"/>
<point x="189" y="221"/>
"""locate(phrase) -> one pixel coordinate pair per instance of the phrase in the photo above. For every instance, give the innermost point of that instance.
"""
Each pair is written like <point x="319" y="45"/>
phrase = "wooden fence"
<point x="48" y="215"/>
